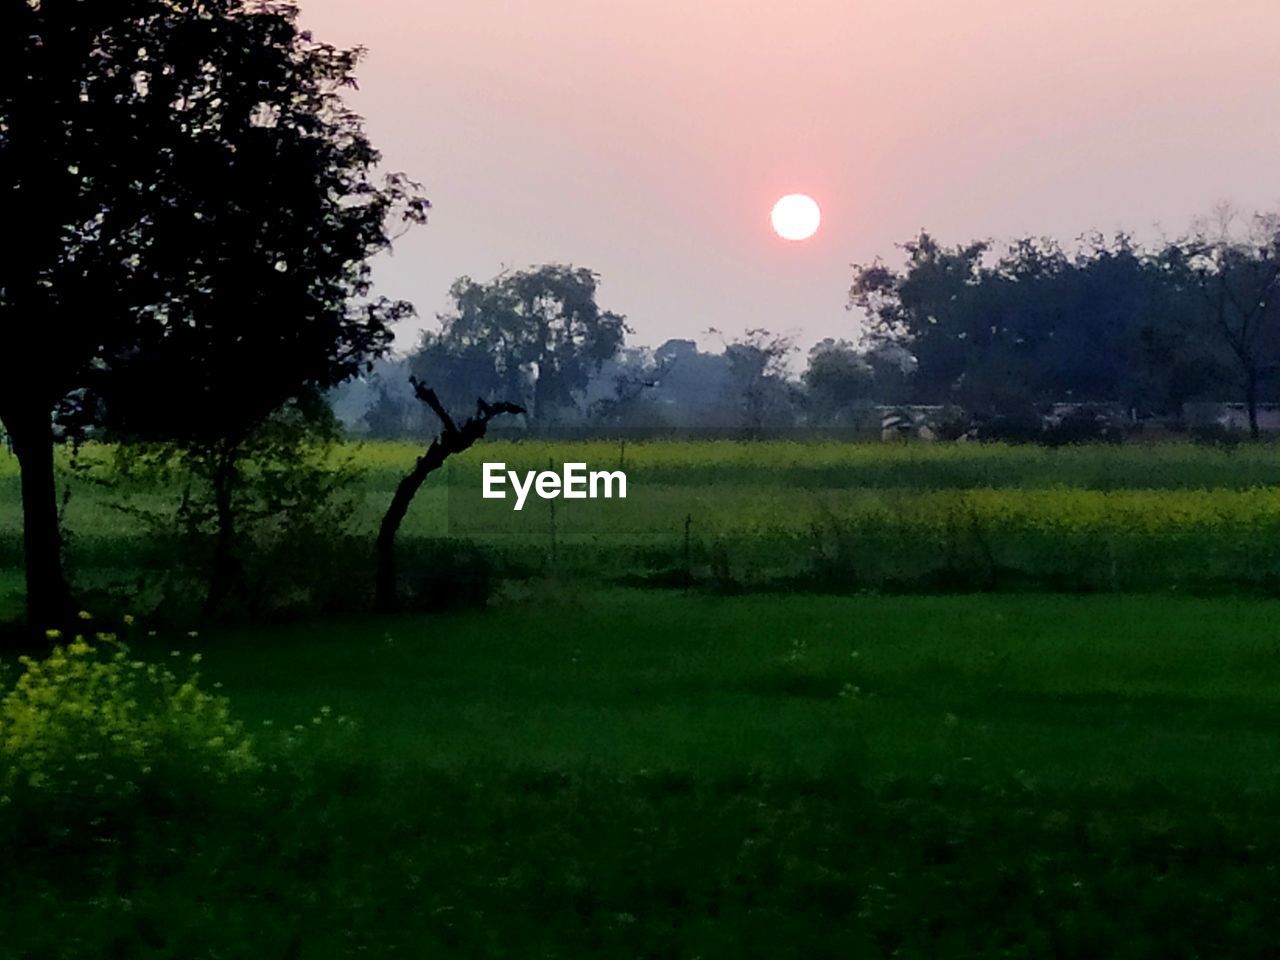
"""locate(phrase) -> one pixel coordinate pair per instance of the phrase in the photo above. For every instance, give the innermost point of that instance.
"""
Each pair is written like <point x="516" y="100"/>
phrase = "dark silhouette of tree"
<point x="836" y="379"/>
<point x="198" y="208"/>
<point x="1005" y="332"/>
<point x="1238" y="279"/>
<point x="452" y="439"/>
<point x="757" y="382"/>
<point x="536" y="333"/>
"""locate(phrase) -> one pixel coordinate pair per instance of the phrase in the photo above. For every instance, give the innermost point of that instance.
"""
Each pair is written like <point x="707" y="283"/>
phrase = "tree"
<point x="1006" y="331"/>
<point x="836" y="379"/>
<point x="1238" y="278"/>
<point x="757" y="382"/>
<point x="452" y="439"/>
<point x="198" y="206"/>
<point x="926" y="307"/>
<point x="535" y="332"/>
<point x="386" y="417"/>
<point x="633" y="376"/>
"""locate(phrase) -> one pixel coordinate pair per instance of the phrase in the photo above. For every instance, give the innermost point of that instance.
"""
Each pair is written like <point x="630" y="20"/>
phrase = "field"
<point x="775" y="736"/>
<point x="827" y="517"/>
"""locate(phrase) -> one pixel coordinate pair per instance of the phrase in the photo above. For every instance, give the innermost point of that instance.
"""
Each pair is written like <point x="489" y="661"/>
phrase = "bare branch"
<point x="428" y="396"/>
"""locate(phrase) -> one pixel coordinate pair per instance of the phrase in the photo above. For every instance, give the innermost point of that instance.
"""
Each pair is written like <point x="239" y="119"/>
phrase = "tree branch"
<point x="428" y="396"/>
<point x="453" y="439"/>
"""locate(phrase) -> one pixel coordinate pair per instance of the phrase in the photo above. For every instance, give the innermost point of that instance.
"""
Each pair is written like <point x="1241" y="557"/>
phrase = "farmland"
<point x="820" y="516"/>
<point x="629" y="773"/>
<point x="785" y="700"/>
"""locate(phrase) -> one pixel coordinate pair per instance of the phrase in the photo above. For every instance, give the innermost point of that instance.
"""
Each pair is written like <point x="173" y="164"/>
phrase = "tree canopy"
<point x="533" y="336"/>
<point x="197" y="208"/>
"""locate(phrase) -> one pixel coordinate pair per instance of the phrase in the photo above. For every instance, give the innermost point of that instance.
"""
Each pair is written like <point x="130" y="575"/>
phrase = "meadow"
<point x="631" y="774"/>
<point x="820" y="516"/>
<point x="787" y="700"/>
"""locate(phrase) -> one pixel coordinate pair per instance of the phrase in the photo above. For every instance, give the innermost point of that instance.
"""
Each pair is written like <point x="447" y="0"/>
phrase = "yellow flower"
<point x="129" y="619"/>
<point x="53" y="634"/>
<point x="85" y="615"/>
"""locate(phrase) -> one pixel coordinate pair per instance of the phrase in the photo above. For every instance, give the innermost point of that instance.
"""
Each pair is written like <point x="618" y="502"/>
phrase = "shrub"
<point x="90" y="721"/>
<point x="1020" y="427"/>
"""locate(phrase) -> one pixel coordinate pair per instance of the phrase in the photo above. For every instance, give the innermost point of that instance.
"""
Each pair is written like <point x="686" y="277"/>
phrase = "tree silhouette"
<point x="197" y="207"/>
<point x="540" y="326"/>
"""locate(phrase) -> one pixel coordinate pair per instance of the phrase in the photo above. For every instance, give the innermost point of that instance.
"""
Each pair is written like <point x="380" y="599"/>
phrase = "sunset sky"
<point x="648" y="140"/>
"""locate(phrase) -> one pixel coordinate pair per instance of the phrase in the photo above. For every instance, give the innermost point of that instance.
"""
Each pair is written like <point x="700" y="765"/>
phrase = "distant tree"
<point x="836" y="379"/>
<point x="198" y="208"/>
<point x="462" y="370"/>
<point x="694" y="388"/>
<point x="537" y="331"/>
<point x="1238" y="278"/>
<point x="757" y="383"/>
<point x="927" y="307"/>
<point x="633" y="377"/>
<point x="1004" y="332"/>
<point x="387" y="416"/>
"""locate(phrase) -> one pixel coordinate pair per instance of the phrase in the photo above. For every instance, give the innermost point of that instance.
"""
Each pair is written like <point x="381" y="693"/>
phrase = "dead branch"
<point x="452" y="439"/>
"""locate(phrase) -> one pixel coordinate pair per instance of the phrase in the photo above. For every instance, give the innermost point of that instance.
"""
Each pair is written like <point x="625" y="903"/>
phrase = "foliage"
<point x="757" y="383"/>
<point x="836" y="379"/>
<point x="198" y="207"/>
<point x="266" y="513"/>
<point x="91" y="722"/>
<point x="532" y="337"/>
<point x="1238" y="279"/>
<point x="1004" y="330"/>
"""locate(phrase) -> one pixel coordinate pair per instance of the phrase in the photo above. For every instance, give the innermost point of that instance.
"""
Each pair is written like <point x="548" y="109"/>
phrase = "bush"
<point x="1022" y="427"/>
<point x="1084" y="425"/>
<point x="89" y="721"/>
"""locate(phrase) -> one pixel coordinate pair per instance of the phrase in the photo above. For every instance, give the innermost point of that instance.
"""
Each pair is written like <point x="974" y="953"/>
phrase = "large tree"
<point x="1237" y="275"/>
<point x="1007" y="330"/>
<point x="538" y="333"/>
<point x="197" y="210"/>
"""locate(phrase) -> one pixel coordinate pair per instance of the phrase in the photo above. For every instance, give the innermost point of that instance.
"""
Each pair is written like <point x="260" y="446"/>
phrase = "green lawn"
<point x="837" y="517"/>
<point x="745" y="769"/>
<point x="1058" y="690"/>
<point x="644" y="774"/>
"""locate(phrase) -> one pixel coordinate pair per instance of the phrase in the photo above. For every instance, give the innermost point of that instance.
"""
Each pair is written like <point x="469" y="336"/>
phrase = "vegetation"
<point x="815" y="515"/>
<point x="795" y="777"/>
<point x="196" y="200"/>
<point x="788" y="698"/>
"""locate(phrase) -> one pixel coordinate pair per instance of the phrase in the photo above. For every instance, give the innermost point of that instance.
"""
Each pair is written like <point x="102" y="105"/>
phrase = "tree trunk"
<point x="385" y="579"/>
<point x="48" y="596"/>
<point x="452" y="439"/>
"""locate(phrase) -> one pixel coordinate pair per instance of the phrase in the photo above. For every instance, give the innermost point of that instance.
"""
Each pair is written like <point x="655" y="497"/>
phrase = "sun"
<point x="796" y="217"/>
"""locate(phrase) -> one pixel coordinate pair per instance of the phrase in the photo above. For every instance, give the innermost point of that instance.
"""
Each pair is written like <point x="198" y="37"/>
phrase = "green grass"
<point x="794" y="763"/>
<point x="777" y="515"/>
<point x="640" y="774"/>
<point x="1062" y="689"/>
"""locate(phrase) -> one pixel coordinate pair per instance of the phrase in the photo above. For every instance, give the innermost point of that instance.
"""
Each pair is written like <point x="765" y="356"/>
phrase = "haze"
<point x="649" y="140"/>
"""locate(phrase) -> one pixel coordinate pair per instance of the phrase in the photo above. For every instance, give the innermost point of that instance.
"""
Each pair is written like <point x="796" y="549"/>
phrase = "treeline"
<point x="993" y="334"/>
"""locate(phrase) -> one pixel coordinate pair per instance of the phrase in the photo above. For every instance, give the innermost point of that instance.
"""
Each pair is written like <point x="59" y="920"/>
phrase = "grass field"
<point x="779" y="515"/>
<point x="786" y="757"/>
<point x="634" y="774"/>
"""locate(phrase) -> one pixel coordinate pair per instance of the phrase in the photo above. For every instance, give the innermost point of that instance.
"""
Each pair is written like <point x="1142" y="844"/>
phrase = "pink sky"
<point x="648" y="140"/>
